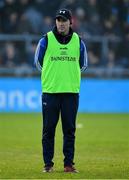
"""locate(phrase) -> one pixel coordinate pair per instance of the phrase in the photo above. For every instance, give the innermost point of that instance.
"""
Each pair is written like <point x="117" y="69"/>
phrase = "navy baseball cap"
<point x="64" y="14"/>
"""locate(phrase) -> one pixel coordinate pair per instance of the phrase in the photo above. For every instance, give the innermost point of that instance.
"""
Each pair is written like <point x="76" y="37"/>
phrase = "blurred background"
<point x="103" y="118"/>
<point x="104" y="27"/>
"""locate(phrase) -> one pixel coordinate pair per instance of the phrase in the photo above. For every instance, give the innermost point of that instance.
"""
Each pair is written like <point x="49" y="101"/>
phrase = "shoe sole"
<point x="50" y="171"/>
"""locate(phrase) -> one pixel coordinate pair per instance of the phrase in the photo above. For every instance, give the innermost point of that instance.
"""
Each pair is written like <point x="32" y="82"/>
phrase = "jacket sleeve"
<point x="40" y="52"/>
<point x="83" y="56"/>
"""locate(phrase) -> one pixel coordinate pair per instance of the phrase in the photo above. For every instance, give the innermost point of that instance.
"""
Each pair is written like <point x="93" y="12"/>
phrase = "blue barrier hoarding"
<point x="20" y="95"/>
<point x="102" y="96"/>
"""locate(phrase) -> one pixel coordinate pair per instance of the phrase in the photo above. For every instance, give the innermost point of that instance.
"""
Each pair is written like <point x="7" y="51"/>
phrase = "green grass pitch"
<point x="102" y="147"/>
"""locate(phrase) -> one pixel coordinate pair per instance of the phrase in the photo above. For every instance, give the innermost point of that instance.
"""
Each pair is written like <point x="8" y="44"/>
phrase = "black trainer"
<point x="48" y="169"/>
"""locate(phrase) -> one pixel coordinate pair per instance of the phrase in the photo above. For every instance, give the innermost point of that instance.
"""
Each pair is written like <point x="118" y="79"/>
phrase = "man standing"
<point x="60" y="55"/>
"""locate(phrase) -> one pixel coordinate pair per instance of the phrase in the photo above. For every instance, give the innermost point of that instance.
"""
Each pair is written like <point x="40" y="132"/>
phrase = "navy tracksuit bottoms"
<point x="53" y="105"/>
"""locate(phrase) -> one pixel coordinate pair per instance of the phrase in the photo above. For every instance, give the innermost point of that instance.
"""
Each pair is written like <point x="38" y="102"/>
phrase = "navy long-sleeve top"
<point x="42" y="46"/>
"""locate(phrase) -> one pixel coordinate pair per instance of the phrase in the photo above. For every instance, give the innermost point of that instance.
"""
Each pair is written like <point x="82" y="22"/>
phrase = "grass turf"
<point x="102" y="147"/>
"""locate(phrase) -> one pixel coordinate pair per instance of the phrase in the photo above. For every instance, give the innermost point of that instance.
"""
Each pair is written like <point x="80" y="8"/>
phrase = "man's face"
<point x="62" y="25"/>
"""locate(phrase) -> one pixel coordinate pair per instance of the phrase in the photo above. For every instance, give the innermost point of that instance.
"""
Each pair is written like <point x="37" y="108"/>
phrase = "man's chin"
<point x="62" y="32"/>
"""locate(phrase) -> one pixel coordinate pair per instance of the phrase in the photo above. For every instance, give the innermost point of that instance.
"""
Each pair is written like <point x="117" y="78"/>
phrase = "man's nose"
<point x="61" y="23"/>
